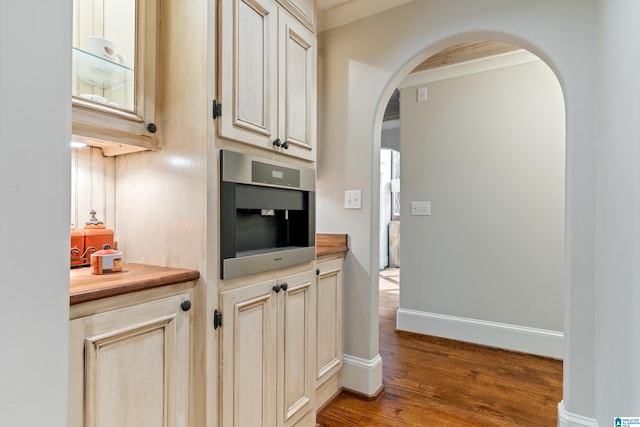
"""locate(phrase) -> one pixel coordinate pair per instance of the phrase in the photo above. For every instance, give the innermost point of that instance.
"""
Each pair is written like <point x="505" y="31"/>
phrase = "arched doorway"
<point x="362" y="65"/>
<point x="484" y="140"/>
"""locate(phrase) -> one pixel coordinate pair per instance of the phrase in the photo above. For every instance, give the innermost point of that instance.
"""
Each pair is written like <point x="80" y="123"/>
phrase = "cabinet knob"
<point x="185" y="305"/>
<point x="284" y="286"/>
<point x="276" y="288"/>
<point x="152" y="128"/>
<point x="277" y="142"/>
<point x="317" y="271"/>
<point x="285" y="145"/>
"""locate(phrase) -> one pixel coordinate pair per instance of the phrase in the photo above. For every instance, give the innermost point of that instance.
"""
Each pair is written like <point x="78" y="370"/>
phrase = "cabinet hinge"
<point x="217" y="109"/>
<point x="217" y="319"/>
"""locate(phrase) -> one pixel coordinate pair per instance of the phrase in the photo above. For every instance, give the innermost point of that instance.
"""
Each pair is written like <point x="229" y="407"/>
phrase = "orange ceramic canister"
<point x="77" y="247"/>
<point x="96" y="235"/>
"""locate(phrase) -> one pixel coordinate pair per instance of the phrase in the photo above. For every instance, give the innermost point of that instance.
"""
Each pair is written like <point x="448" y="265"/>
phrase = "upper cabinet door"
<point x="297" y="87"/>
<point x="113" y="71"/>
<point x="267" y="78"/>
<point x="248" y="71"/>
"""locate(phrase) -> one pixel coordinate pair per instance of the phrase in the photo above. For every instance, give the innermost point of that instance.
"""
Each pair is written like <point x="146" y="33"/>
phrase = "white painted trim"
<point x="513" y="337"/>
<point x="568" y="419"/>
<point x="509" y="59"/>
<point x="362" y="375"/>
<point x="391" y="124"/>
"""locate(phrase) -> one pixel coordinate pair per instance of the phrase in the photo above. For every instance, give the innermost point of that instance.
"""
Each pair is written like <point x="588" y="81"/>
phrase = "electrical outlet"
<point x="353" y="199"/>
<point x="420" y="208"/>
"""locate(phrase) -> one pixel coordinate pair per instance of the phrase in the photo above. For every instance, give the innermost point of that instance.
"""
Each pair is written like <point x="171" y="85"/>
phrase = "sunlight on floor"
<point x="390" y="280"/>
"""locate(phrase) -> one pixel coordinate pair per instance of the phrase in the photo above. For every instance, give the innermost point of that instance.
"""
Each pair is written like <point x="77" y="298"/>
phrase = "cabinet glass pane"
<point x="104" y="47"/>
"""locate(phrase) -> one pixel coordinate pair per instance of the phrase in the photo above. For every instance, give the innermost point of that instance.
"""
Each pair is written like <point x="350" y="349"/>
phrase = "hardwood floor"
<point x="431" y="381"/>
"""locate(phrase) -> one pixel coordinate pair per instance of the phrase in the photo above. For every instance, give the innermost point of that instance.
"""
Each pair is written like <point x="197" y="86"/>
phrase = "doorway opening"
<point x="481" y="132"/>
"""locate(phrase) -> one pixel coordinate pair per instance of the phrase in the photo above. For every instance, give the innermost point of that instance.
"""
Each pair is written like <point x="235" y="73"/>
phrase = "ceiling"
<point x="465" y="52"/>
<point x="328" y="4"/>
<point x="333" y="13"/>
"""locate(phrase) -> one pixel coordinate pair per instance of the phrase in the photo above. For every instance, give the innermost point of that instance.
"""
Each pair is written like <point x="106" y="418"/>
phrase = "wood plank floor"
<point x="431" y="381"/>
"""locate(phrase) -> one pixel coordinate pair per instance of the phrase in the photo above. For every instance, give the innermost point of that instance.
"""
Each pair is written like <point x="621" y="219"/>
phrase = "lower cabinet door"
<point x="130" y="367"/>
<point x="296" y="361"/>
<point x="267" y="352"/>
<point x="248" y="356"/>
<point x="328" y="320"/>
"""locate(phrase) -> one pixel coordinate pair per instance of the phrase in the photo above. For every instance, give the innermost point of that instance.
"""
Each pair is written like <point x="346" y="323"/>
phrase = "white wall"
<point x="487" y="150"/>
<point x="391" y="135"/>
<point x="35" y="131"/>
<point x="360" y="66"/>
<point x="618" y="221"/>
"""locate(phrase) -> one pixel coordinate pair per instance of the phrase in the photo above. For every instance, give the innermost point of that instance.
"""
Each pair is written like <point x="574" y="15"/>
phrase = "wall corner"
<point x="362" y="376"/>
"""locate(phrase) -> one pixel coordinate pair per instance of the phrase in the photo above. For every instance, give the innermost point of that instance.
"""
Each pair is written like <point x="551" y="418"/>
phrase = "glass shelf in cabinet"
<point x="101" y="72"/>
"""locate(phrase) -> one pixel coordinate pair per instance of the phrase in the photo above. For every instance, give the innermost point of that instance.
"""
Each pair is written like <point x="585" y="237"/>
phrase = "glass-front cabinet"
<point x="113" y="74"/>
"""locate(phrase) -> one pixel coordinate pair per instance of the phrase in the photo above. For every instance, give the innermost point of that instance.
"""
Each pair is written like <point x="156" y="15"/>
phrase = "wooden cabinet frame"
<point x="118" y="131"/>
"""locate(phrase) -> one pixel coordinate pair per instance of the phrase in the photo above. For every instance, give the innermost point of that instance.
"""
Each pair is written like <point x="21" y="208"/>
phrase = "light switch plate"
<point x="353" y="199"/>
<point x="420" y="208"/>
<point x="422" y="94"/>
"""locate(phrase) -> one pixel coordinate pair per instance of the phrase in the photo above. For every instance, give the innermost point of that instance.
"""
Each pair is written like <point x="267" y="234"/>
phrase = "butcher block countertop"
<point x="329" y="244"/>
<point x="86" y="287"/>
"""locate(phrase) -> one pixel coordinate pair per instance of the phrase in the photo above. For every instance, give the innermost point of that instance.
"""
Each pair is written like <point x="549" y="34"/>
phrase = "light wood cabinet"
<point x="267" y="78"/>
<point x="329" y="328"/>
<point x="304" y="10"/>
<point x="130" y="366"/>
<point x="267" y="346"/>
<point x="114" y="74"/>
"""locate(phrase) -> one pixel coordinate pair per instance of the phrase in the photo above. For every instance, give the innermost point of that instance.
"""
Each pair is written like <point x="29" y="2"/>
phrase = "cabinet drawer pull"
<point x="284" y="286"/>
<point x="276" y="288"/>
<point x="185" y="305"/>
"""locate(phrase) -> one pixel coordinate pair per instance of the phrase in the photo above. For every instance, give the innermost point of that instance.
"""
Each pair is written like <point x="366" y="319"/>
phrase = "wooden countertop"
<point x="85" y="286"/>
<point x="328" y="244"/>
<point x="134" y="277"/>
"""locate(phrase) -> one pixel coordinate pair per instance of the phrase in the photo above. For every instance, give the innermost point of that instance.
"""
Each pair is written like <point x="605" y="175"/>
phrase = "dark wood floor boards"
<point x="431" y="381"/>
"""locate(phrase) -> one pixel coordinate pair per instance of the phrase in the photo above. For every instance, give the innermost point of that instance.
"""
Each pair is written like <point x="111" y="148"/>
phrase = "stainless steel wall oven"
<point x="267" y="214"/>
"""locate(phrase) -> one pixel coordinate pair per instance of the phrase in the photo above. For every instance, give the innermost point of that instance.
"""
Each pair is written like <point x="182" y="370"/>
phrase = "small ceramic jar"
<point x="106" y="260"/>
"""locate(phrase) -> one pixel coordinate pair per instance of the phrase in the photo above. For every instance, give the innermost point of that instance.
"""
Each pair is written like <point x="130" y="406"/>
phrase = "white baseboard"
<point x="519" y="338"/>
<point x="568" y="419"/>
<point x="362" y="375"/>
